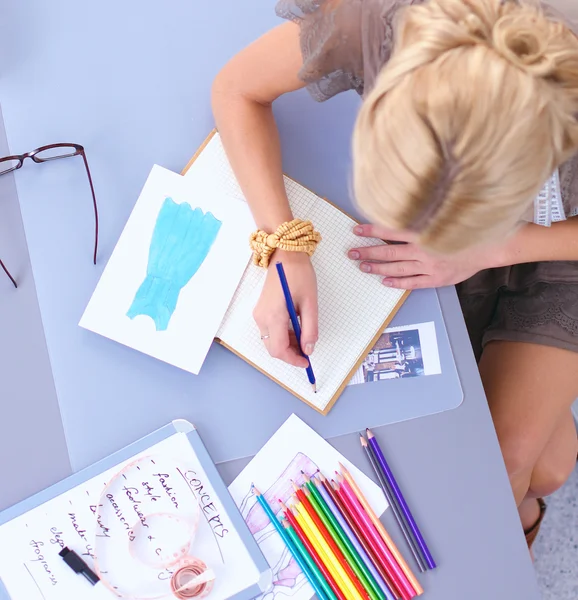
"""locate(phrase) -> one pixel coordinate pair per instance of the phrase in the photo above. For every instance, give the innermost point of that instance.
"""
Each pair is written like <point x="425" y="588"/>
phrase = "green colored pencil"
<point x="309" y="560"/>
<point x="347" y="548"/>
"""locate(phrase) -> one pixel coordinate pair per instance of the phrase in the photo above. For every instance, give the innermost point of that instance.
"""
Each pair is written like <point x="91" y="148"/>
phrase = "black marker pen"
<point x="78" y="565"/>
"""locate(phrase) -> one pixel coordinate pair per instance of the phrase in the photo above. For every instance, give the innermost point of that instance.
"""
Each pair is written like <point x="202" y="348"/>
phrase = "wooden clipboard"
<point x="364" y="354"/>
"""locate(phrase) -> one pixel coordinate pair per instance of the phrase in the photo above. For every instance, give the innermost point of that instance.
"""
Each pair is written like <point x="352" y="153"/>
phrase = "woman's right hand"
<point x="271" y="313"/>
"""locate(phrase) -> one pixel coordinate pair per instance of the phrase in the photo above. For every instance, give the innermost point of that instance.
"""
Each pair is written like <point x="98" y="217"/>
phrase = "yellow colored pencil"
<point x="350" y="591"/>
<point x="322" y="554"/>
<point x="382" y="531"/>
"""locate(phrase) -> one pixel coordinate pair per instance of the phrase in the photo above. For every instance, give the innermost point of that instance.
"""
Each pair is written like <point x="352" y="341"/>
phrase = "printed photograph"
<point x="401" y="352"/>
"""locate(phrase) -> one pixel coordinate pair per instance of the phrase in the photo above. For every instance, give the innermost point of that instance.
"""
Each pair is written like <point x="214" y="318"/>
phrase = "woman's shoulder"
<point x="344" y="42"/>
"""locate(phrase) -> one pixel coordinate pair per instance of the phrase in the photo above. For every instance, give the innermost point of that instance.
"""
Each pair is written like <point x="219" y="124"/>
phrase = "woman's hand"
<point x="406" y="266"/>
<point x="271" y="313"/>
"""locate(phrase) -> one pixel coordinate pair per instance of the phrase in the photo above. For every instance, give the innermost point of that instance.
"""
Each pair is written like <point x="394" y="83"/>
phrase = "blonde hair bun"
<point x="531" y="42"/>
<point x="490" y="85"/>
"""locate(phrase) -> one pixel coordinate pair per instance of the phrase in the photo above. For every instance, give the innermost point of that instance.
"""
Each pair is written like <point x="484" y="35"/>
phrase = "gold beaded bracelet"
<point x="294" y="236"/>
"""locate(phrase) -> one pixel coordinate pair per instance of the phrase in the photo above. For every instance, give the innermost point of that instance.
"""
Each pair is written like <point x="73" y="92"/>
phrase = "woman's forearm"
<point x="534" y="243"/>
<point x="251" y="139"/>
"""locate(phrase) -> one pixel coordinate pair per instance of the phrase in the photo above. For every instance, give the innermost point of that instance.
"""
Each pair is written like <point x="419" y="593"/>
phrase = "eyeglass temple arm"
<point x="83" y="154"/>
<point x="8" y="273"/>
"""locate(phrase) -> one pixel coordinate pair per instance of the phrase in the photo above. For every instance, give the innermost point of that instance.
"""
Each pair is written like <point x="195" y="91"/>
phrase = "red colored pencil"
<point x="369" y="549"/>
<point x="397" y="575"/>
<point x="309" y="546"/>
<point x="330" y="542"/>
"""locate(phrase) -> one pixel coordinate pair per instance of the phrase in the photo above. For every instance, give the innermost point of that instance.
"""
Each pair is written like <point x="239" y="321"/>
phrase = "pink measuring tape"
<point x="147" y="520"/>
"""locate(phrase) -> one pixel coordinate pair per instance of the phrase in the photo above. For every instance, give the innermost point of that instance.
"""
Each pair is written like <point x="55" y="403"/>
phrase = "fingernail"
<point x="358" y="230"/>
<point x="354" y="254"/>
<point x="366" y="268"/>
<point x="387" y="283"/>
<point x="309" y="349"/>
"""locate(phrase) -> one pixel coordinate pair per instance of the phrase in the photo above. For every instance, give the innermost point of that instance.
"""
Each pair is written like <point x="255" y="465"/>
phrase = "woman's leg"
<point x="552" y="470"/>
<point x="530" y="389"/>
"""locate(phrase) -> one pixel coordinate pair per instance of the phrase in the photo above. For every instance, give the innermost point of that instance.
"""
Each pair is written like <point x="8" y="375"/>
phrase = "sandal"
<point x="532" y="533"/>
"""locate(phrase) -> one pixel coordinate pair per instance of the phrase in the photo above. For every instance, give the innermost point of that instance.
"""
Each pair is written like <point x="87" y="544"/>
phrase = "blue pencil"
<point x="295" y="321"/>
<point x="291" y="547"/>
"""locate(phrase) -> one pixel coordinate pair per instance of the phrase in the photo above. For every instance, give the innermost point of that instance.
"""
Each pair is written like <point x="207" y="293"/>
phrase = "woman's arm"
<point x="242" y="98"/>
<point x="534" y="243"/>
<point x="243" y="93"/>
<point x="407" y="266"/>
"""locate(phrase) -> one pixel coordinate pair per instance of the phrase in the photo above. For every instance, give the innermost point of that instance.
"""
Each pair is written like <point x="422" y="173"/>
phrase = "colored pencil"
<point x="338" y="574"/>
<point x="345" y="527"/>
<point x="347" y="549"/>
<point x="386" y="559"/>
<point x="313" y="568"/>
<point x="314" y="553"/>
<point x="382" y="531"/>
<point x="402" y="581"/>
<point x="292" y="549"/>
<point x="335" y="545"/>
<point x="399" y="517"/>
<point x="387" y="473"/>
<point x="295" y="322"/>
<point x="338" y="562"/>
<point x="367" y="543"/>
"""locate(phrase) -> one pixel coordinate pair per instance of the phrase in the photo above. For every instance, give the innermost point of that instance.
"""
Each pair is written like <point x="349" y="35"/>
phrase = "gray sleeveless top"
<point x="345" y="43"/>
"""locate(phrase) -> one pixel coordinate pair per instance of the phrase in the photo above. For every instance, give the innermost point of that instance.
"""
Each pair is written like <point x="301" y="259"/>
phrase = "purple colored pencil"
<point x="353" y="539"/>
<point x="403" y="524"/>
<point x="398" y="496"/>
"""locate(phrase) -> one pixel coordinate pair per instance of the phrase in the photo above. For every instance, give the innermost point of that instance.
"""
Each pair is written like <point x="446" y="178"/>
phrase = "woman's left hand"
<point x="406" y="266"/>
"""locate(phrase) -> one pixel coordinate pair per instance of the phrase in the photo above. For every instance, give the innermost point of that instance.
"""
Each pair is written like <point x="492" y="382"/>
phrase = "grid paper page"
<point x="352" y="305"/>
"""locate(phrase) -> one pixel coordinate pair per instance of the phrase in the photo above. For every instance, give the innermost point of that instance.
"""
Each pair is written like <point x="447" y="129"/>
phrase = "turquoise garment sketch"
<point x="182" y="239"/>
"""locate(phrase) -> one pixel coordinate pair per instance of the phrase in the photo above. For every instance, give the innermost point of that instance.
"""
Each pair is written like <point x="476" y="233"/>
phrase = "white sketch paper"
<point x="174" y="270"/>
<point x="295" y="447"/>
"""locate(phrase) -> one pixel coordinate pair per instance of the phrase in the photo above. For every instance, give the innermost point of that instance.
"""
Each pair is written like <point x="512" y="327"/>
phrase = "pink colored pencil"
<point x="399" y="577"/>
<point x="385" y="564"/>
<point x="382" y="531"/>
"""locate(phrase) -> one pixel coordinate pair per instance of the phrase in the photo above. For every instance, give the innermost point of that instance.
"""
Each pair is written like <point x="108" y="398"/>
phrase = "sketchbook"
<point x="137" y="519"/>
<point x="354" y="308"/>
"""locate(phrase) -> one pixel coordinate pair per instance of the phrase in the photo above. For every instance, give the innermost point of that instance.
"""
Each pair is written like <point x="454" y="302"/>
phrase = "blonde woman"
<point x="469" y="107"/>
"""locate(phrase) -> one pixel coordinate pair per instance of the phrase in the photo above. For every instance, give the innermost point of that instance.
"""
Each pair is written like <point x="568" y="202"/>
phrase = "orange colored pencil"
<point x="308" y="507"/>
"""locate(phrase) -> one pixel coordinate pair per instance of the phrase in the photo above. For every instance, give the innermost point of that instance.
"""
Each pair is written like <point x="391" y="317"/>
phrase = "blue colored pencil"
<point x="291" y="547"/>
<point x="295" y="321"/>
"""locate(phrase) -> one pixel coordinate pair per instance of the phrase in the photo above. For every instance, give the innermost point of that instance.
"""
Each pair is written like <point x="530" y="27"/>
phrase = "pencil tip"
<point x="314" y="388"/>
<point x="363" y="441"/>
<point x="369" y="434"/>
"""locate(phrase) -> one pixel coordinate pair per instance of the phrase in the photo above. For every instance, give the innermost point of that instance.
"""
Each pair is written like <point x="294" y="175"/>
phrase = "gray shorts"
<point x="535" y="302"/>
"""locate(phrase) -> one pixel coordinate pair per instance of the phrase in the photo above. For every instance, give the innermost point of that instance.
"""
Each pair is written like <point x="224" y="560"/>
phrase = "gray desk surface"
<point x="130" y="81"/>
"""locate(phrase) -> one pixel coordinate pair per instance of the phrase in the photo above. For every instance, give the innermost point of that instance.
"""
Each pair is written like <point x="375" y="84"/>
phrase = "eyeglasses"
<point x="46" y="154"/>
